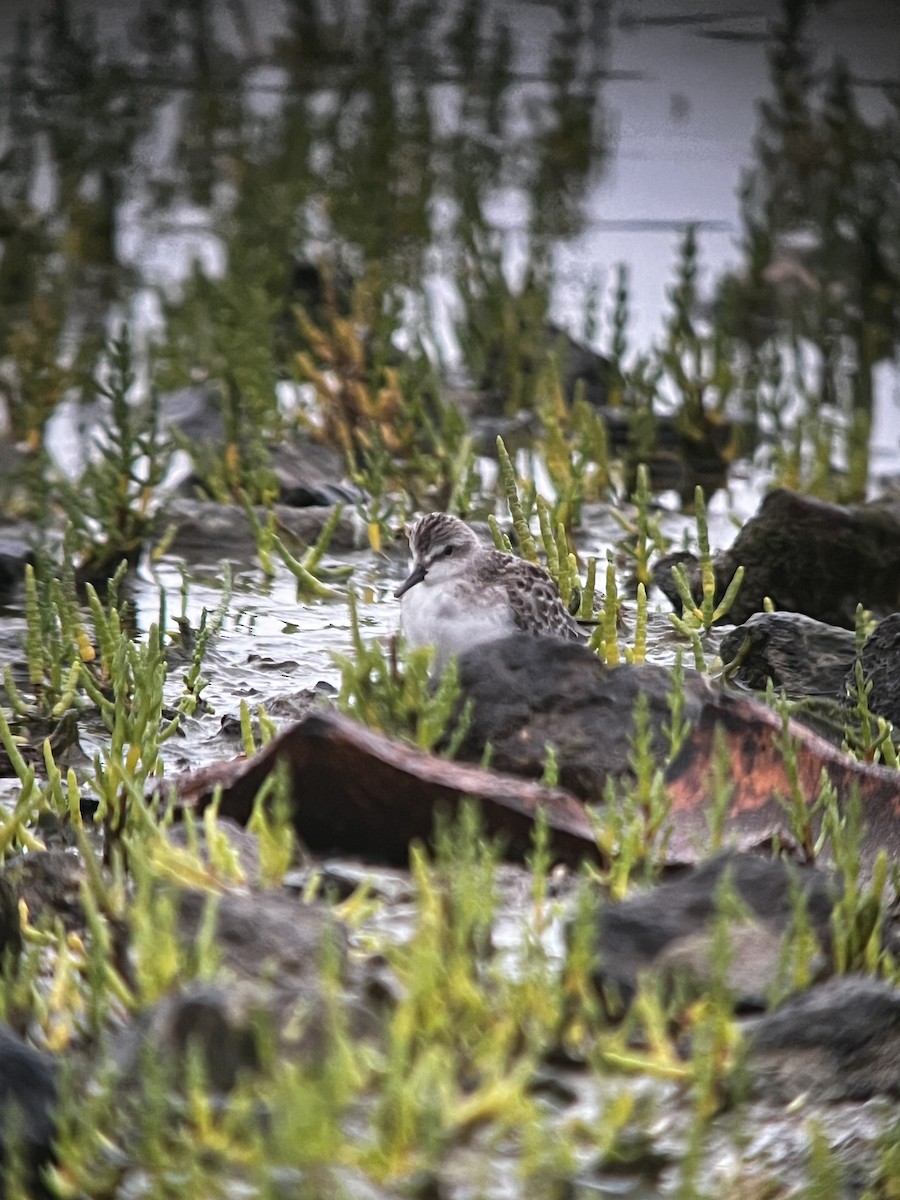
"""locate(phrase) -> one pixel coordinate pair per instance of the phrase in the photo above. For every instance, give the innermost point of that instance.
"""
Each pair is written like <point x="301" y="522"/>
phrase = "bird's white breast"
<point x="453" y="616"/>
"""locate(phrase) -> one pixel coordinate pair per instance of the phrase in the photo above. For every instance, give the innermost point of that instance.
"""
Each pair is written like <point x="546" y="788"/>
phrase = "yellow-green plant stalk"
<point x="643" y="534"/>
<point x="551" y="548"/>
<point x="586" y="608"/>
<point x="307" y="583"/>
<point x="678" y="728"/>
<point x="511" y="490"/>
<point x="501" y="541"/>
<point x="605" y="640"/>
<point x="638" y="652"/>
<point x="703" y="616"/>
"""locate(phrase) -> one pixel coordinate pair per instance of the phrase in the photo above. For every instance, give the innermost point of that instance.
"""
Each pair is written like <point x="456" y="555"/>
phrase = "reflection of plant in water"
<point x="503" y="330"/>
<point x="111" y="507"/>
<point x="37" y="378"/>
<point x="265" y="174"/>
<point x="79" y="113"/>
<point x="224" y="331"/>
<point x="821" y="233"/>
<point x="381" y="408"/>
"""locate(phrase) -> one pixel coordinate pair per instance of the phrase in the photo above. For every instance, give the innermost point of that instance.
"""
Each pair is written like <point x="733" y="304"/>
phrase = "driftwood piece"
<point x="758" y="777"/>
<point x="356" y="791"/>
<point x="359" y="792"/>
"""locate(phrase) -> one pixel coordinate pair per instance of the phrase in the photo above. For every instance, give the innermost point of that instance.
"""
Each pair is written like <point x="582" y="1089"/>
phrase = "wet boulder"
<point x="204" y="531"/>
<point x="806" y="556"/>
<point x="837" y="1041"/>
<point x="527" y="693"/>
<point x="680" y="457"/>
<point x="880" y="659"/>
<point x="15" y="555"/>
<point x="801" y="656"/>
<point x="270" y="949"/>
<point x="50" y="884"/>
<point x="309" y="475"/>
<point x="28" y="1100"/>
<point x="671" y="929"/>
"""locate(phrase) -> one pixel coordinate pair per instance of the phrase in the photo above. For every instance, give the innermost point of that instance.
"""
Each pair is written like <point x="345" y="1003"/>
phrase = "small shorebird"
<point x="461" y="592"/>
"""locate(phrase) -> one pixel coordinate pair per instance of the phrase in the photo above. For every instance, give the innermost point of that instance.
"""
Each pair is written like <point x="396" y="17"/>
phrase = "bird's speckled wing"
<point x="534" y="600"/>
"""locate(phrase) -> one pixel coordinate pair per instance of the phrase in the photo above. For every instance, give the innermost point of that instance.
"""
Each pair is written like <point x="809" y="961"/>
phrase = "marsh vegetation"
<point x="342" y="290"/>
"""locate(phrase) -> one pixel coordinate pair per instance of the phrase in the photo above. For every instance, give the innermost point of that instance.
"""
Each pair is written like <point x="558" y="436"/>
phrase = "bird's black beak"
<point x="416" y="577"/>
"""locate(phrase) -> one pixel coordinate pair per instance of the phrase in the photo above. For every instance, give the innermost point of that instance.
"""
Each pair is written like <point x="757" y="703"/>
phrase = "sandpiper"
<point x="461" y="592"/>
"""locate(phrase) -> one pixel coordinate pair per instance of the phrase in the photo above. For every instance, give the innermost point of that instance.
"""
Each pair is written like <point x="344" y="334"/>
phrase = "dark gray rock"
<point x="208" y="532"/>
<point x="802" y="656"/>
<point x="10" y="921"/>
<point x="15" y="554"/>
<point x="528" y="693"/>
<point x="306" y="473"/>
<point x="670" y="929"/>
<point x="28" y="1099"/>
<point x="218" y="1024"/>
<point x="267" y="935"/>
<point x="837" y="1041"/>
<point x="807" y="556"/>
<point x="677" y="457"/>
<point x="880" y="659"/>
<point x="242" y="845"/>
<point x="311" y="476"/>
<point x="49" y="881"/>
<point x="270" y="949"/>
<point x="195" y="413"/>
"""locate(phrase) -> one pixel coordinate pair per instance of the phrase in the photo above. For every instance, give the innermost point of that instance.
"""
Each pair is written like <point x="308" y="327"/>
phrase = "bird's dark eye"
<point x="447" y="551"/>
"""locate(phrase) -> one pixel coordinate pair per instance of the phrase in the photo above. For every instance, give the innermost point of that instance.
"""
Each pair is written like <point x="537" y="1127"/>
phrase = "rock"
<point x="216" y="1023"/>
<point x="880" y="658"/>
<point x="803" y="656"/>
<point x="671" y="928"/>
<point x="28" y="1099"/>
<point x="528" y="693"/>
<point x="357" y="791"/>
<point x="360" y="792"/>
<point x="740" y="740"/>
<point x="678" y="457"/>
<point x="578" y="365"/>
<point x="311" y="476"/>
<point x="243" y="846"/>
<point x="195" y="413"/>
<point x="837" y="1041"/>
<point x="49" y="881"/>
<point x="208" y="532"/>
<point x="271" y="950"/>
<point x="267" y="935"/>
<point x="755" y="960"/>
<point x="10" y="922"/>
<point x="15" y="555"/>
<point x="581" y="366"/>
<point x="307" y="474"/>
<point x="809" y="557"/>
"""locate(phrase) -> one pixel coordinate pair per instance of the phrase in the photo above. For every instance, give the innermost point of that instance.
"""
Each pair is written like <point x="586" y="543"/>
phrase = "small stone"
<point x="837" y="1041"/>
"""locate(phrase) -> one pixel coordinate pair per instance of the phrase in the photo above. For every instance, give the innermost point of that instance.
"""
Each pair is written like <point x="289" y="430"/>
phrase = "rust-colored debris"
<point x="359" y="792"/>
<point x="757" y="776"/>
